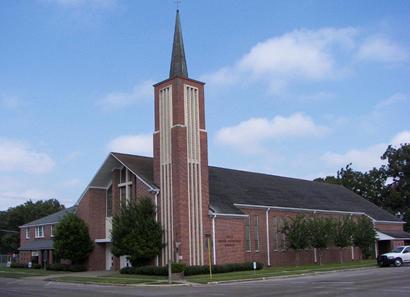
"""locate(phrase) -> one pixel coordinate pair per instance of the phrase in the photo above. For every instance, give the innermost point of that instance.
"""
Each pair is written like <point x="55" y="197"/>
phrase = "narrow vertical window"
<point x="39" y="231"/>
<point x="256" y="233"/>
<point x="27" y="233"/>
<point x="109" y="202"/>
<point x="248" y="234"/>
<point x="52" y="231"/>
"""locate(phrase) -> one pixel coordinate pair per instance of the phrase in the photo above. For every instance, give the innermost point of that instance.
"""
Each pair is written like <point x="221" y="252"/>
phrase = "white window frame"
<point x="51" y="230"/>
<point x="27" y="233"/>
<point x="38" y="233"/>
<point x="125" y="185"/>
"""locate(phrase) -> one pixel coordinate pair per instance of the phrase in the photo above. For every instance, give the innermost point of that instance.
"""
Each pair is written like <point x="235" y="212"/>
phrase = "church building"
<point x="242" y="213"/>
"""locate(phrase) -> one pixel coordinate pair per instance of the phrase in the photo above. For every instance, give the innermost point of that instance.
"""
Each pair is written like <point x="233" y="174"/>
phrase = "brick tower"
<point x="181" y="161"/>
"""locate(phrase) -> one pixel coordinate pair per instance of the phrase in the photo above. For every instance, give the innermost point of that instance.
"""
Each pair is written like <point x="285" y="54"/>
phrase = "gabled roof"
<point x="51" y="219"/>
<point x="229" y="187"/>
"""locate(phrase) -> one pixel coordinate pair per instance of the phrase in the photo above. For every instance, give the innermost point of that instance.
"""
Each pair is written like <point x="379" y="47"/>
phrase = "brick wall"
<point x="229" y="240"/>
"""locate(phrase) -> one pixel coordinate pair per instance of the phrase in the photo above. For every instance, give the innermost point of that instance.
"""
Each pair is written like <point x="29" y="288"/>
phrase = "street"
<point x="367" y="282"/>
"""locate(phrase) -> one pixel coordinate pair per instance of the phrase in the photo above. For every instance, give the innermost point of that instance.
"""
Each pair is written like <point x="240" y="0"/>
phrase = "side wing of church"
<point x="242" y="213"/>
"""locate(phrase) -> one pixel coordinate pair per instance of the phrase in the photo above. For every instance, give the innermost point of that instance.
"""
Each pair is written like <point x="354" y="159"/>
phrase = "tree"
<point x="136" y="234"/>
<point x="398" y="169"/>
<point x="342" y="234"/>
<point x="72" y="240"/>
<point x="370" y="185"/>
<point x="296" y="232"/>
<point x="14" y="217"/>
<point x="320" y="232"/>
<point x="364" y="235"/>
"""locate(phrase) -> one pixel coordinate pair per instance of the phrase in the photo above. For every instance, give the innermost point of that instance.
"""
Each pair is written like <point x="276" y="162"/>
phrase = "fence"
<point x="4" y="259"/>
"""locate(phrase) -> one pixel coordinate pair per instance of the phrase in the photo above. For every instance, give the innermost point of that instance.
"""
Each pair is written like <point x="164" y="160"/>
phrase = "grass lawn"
<point x="117" y="279"/>
<point x="24" y="272"/>
<point x="279" y="271"/>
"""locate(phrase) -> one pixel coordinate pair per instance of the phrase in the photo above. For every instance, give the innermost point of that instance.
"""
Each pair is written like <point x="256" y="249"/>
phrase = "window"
<point x="39" y="231"/>
<point x="248" y="234"/>
<point x="51" y="230"/>
<point x="256" y="233"/>
<point x="109" y="202"/>
<point x="27" y="233"/>
<point x="125" y="186"/>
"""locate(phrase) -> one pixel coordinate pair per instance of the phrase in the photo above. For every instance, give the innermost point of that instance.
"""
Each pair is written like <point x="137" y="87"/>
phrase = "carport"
<point x="388" y="240"/>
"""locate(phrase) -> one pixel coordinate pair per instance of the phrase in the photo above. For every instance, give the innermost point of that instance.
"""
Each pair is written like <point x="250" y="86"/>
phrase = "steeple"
<point x="178" y="62"/>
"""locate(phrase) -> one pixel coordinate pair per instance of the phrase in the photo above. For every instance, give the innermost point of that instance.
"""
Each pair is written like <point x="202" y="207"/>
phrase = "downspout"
<point x="156" y="193"/>
<point x="267" y="236"/>
<point x="213" y="239"/>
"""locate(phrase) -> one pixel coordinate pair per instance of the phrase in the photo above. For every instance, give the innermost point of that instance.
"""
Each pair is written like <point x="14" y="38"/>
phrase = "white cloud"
<point x="298" y="55"/>
<point x="248" y="135"/>
<point x="401" y="138"/>
<point x="366" y="158"/>
<point x="17" y="156"/>
<point x="392" y="100"/>
<point x="116" y="100"/>
<point x="140" y="144"/>
<point x="382" y="50"/>
<point x="10" y="102"/>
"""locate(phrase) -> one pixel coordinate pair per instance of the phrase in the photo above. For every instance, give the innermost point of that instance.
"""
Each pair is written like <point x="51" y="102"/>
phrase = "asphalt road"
<point x="369" y="282"/>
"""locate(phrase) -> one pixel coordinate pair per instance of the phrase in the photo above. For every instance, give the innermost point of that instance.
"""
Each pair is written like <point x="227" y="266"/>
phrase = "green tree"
<point x="296" y="232"/>
<point x="136" y="234"/>
<point x="72" y="240"/>
<point x="343" y="234"/>
<point x="398" y="169"/>
<point x="14" y="217"/>
<point x="320" y="231"/>
<point x="364" y="235"/>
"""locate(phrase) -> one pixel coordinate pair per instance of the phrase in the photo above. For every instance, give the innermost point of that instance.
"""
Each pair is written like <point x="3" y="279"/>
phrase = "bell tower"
<point x="181" y="161"/>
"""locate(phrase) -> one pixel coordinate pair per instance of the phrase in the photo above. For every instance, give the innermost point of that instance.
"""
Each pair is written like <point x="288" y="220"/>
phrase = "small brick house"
<point x="241" y="213"/>
<point x="36" y="238"/>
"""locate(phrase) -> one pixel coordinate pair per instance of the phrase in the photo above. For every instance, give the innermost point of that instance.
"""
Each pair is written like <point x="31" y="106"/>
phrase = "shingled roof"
<point x="51" y="219"/>
<point x="229" y="187"/>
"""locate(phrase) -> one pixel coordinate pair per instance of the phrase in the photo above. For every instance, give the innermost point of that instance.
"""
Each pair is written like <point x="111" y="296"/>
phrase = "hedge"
<point x="21" y="265"/>
<point x="66" y="267"/>
<point x="190" y="270"/>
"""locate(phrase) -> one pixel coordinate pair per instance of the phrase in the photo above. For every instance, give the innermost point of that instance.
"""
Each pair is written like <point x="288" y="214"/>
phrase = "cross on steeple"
<point x="177" y="2"/>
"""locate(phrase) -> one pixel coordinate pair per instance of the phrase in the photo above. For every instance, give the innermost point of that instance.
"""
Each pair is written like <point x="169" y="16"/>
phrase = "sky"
<point x="293" y="88"/>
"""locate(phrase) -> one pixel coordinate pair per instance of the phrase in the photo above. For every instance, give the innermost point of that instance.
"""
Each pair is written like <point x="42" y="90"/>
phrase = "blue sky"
<point x="293" y="88"/>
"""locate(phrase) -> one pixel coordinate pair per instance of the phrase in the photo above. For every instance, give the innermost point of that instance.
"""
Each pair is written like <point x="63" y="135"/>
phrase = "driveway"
<point x="365" y="282"/>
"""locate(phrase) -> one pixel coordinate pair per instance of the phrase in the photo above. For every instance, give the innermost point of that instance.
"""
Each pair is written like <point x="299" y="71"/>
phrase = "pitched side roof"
<point x="228" y="187"/>
<point x="43" y="244"/>
<point x="51" y="219"/>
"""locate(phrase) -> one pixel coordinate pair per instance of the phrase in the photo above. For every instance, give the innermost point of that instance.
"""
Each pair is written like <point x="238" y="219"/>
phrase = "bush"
<point x="190" y="270"/>
<point x="22" y="265"/>
<point x="65" y="267"/>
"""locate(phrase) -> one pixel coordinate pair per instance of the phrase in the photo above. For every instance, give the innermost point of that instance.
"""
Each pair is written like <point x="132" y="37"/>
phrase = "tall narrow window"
<point x="27" y="233"/>
<point x="125" y="186"/>
<point x="248" y="234"/>
<point x="39" y="232"/>
<point x="109" y="202"/>
<point x="52" y="231"/>
<point x="256" y="233"/>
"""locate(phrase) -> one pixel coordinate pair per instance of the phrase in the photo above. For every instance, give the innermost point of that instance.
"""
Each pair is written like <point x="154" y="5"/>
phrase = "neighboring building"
<point x="241" y="212"/>
<point x="36" y="238"/>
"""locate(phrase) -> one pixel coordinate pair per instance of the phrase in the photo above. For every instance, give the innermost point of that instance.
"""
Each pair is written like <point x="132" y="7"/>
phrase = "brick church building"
<point x="241" y="212"/>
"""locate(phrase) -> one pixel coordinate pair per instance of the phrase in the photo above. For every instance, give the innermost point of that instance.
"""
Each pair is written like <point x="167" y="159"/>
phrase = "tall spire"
<point x="178" y="62"/>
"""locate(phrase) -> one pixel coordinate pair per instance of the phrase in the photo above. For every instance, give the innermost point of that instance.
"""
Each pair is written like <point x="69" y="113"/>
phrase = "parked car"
<point x="397" y="257"/>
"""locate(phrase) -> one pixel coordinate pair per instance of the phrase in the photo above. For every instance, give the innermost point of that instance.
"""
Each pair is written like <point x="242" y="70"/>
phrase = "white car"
<point x="397" y="257"/>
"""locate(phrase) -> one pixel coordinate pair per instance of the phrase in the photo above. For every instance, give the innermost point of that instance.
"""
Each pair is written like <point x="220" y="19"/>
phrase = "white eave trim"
<point x="382" y="236"/>
<point x="217" y="214"/>
<point x="103" y="240"/>
<point x="37" y="225"/>
<point x="314" y="210"/>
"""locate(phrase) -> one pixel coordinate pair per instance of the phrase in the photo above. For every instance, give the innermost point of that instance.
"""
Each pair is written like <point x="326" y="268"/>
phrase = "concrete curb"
<point x="285" y="276"/>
